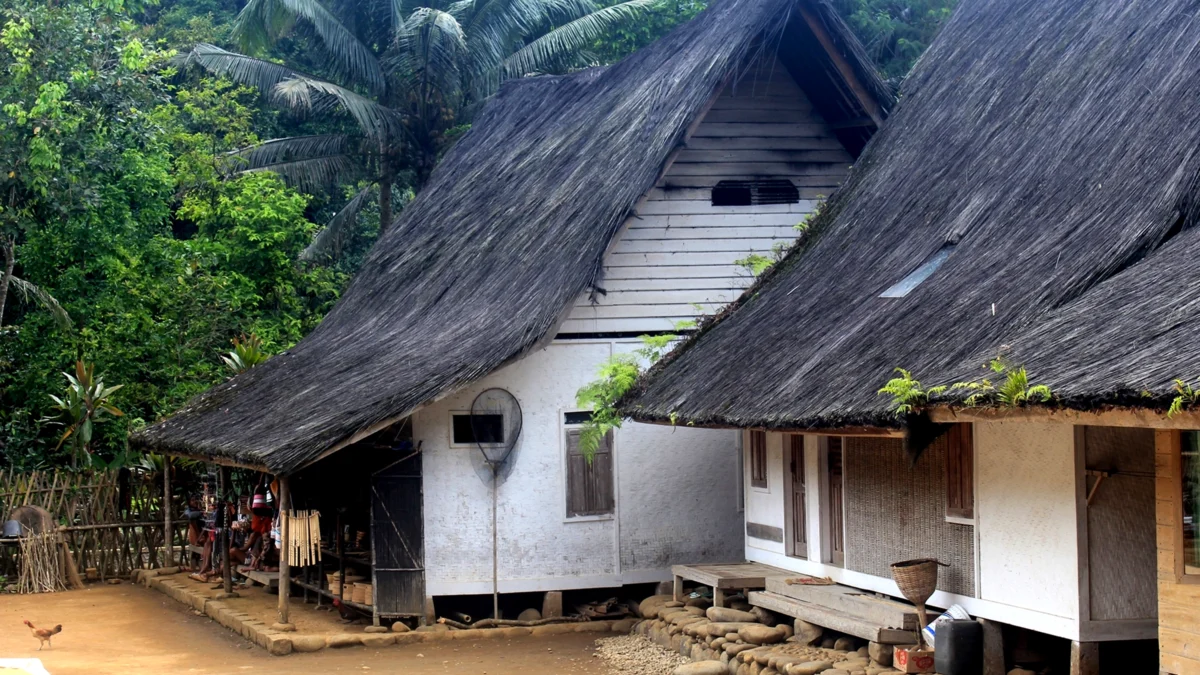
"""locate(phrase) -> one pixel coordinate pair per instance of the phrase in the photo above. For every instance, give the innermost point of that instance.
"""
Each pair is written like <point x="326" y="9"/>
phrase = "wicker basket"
<point x="917" y="579"/>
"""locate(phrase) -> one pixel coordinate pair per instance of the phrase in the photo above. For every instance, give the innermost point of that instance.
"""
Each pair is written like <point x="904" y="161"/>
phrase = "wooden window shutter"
<point x="960" y="472"/>
<point x="589" y="484"/>
<point x="758" y="459"/>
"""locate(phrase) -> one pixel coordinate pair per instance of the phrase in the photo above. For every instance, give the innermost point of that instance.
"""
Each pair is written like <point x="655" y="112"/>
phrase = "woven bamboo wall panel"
<point x="896" y="511"/>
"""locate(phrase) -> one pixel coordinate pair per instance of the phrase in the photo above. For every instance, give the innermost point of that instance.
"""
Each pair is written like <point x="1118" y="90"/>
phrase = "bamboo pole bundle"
<point x="41" y="566"/>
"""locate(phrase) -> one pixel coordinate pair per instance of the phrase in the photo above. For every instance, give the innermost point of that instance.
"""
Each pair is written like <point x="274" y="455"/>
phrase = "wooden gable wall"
<point x="676" y="258"/>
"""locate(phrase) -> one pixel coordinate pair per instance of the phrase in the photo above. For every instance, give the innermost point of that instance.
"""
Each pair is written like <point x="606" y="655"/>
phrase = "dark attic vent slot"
<point x="755" y="192"/>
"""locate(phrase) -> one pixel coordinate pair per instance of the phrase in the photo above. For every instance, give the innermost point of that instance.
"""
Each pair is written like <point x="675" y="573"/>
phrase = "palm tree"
<point x="31" y="291"/>
<point x="405" y="75"/>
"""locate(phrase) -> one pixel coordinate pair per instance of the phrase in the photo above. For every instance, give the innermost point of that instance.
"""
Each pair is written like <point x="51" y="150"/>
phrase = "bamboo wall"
<point x="112" y="527"/>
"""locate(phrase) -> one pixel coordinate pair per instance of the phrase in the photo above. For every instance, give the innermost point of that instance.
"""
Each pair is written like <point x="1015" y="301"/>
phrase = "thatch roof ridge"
<point x="1046" y="141"/>
<point x="479" y="269"/>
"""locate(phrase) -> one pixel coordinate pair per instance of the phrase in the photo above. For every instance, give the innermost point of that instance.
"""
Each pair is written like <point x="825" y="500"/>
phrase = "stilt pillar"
<point x="285" y="545"/>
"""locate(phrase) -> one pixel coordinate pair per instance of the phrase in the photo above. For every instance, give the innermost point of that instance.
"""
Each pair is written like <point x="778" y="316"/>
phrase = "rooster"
<point x="43" y="634"/>
<point x="349" y="614"/>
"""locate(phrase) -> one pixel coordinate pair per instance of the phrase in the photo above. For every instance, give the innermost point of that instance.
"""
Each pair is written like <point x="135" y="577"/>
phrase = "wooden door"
<point x="837" y="513"/>
<point x="798" y="546"/>
<point x="398" y="539"/>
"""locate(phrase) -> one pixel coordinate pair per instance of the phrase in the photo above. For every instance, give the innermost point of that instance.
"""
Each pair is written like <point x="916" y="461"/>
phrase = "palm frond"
<point x="305" y="162"/>
<point x="492" y="30"/>
<point x="263" y="21"/>
<point x="564" y="42"/>
<point x="329" y="239"/>
<point x="429" y="53"/>
<point x="310" y="94"/>
<point x="241" y="68"/>
<point x="37" y="294"/>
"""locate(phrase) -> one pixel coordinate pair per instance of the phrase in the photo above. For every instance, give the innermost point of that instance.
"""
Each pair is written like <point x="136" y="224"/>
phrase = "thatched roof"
<point x="511" y="228"/>
<point x="1053" y="144"/>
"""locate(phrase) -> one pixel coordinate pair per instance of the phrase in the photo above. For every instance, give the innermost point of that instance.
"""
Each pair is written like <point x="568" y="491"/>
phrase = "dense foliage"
<point x="139" y="238"/>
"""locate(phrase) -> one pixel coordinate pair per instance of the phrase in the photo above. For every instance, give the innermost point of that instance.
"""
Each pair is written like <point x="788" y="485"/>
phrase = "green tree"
<point x="895" y="32"/>
<point x="404" y="74"/>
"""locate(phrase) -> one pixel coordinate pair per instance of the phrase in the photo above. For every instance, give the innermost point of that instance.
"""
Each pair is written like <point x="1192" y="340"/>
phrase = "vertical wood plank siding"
<point x="589" y="484"/>
<point x="960" y="472"/>
<point x="1178" y="596"/>
<point x="676" y="258"/>
<point x="799" y="496"/>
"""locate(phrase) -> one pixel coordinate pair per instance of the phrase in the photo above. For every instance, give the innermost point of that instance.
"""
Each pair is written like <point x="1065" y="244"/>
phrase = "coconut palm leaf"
<point x="263" y="21"/>
<point x="310" y="94"/>
<point x="306" y="162"/>
<point x="564" y="42"/>
<point x="241" y="68"/>
<point x="428" y="52"/>
<point x="492" y="30"/>
<point x="37" y="294"/>
<point x="329" y="239"/>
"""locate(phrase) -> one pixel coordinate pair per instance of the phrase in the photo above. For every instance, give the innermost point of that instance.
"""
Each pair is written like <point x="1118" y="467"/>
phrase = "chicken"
<point x="43" y="634"/>
<point x="349" y="614"/>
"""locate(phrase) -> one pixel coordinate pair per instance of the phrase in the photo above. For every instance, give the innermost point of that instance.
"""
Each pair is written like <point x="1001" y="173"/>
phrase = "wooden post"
<point x="677" y="589"/>
<point x="718" y="597"/>
<point x="226" y="568"/>
<point x="993" y="648"/>
<point x="168" y="549"/>
<point x="1085" y="658"/>
<point x="285" y="579"/>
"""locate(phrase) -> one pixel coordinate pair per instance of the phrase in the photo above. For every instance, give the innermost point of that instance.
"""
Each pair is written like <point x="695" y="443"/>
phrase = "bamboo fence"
<point x="111" y="523"/>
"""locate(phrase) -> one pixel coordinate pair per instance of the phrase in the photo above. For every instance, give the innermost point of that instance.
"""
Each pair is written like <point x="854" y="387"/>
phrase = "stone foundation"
<point x="720" y="640"/>
<point x="280" y="643"/>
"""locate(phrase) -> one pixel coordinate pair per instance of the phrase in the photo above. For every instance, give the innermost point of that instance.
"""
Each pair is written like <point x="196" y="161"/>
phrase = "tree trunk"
<point x="10" y="261"/>
<point x="385" y="187"/>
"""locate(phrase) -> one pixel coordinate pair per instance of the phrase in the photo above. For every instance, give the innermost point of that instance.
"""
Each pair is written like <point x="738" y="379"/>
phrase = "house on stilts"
<point x="579" y="213"/>
<point x="1033" y="197"/>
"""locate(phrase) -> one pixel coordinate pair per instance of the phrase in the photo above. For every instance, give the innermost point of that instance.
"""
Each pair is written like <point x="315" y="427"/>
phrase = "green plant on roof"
<point x="1185" y="397"/>
<point x="617" y="376"/>
<point x="804" y="224"/>
<point x="1012" y="391"/>
<point x="755" y="263"/>
<point x="247" y="353"/>
<point x="908" y="394"/>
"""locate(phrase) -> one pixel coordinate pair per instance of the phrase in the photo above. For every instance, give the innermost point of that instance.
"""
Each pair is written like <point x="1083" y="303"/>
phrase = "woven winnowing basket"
<point x="917" y="579"/>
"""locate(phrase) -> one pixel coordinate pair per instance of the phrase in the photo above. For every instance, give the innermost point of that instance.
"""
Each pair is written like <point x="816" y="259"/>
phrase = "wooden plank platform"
<point x="849" y="600"/>
<point x="832" y="619"/>
<point x="723" y="577"/>
<point x="267" y="579"/>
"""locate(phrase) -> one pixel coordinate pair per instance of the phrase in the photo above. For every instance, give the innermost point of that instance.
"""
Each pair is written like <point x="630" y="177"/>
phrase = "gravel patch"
<point x="637" y="655"/>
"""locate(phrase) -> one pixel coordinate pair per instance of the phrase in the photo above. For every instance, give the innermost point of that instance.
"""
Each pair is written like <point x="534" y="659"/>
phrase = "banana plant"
<point x="87" y="402"/>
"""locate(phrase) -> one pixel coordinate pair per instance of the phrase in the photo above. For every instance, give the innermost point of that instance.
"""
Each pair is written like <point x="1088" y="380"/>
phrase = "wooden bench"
<point x="724" y="577"/>
<point x="268" y="580"/>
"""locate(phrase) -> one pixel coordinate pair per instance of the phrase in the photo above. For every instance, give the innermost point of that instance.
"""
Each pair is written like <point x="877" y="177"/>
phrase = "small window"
<point x="960" y="473"/>
<point x="473" y="429"/>
<point x="589" y="484"/>
<point x="753" y="192"/>
<point x="758" y="459"/>
<point x="914" y="278"/>
<point x="580" y="417"/>
<point x="1190" y="500"/>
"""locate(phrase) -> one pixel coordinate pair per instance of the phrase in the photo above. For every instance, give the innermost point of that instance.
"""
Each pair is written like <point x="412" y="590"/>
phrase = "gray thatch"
<point x="1054" y="144"/>
<point x="512" y="227"/>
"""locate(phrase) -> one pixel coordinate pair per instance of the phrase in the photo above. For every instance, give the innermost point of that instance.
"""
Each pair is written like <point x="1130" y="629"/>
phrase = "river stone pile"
<point x="636" y="655"/>
<point x="723" y="641"/>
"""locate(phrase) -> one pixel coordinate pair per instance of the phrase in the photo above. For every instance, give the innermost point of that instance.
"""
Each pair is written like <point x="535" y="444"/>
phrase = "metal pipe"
<point x="495" y="553"/>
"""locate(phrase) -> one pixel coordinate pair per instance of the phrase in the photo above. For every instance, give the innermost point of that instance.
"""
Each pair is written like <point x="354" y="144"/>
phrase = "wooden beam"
<point x="285" y="586"/>
<point x="865" y="432"/>
<point x="168" y="548"/>
<point x="852" y="123"/>
<point x="226" y="566"/>
<point x="1112" y="417"/>
<point x="865" y="99"/>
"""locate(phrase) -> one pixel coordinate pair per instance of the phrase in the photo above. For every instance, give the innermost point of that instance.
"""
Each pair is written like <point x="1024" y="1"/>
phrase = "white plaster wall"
<point x="766" y="506"/>
<point x="671" y="485"/>
<point x="1027" y="518"/>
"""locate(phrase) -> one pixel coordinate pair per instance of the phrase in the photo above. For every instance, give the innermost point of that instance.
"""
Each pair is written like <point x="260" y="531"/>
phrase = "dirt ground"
<point x="130" y="629"/>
